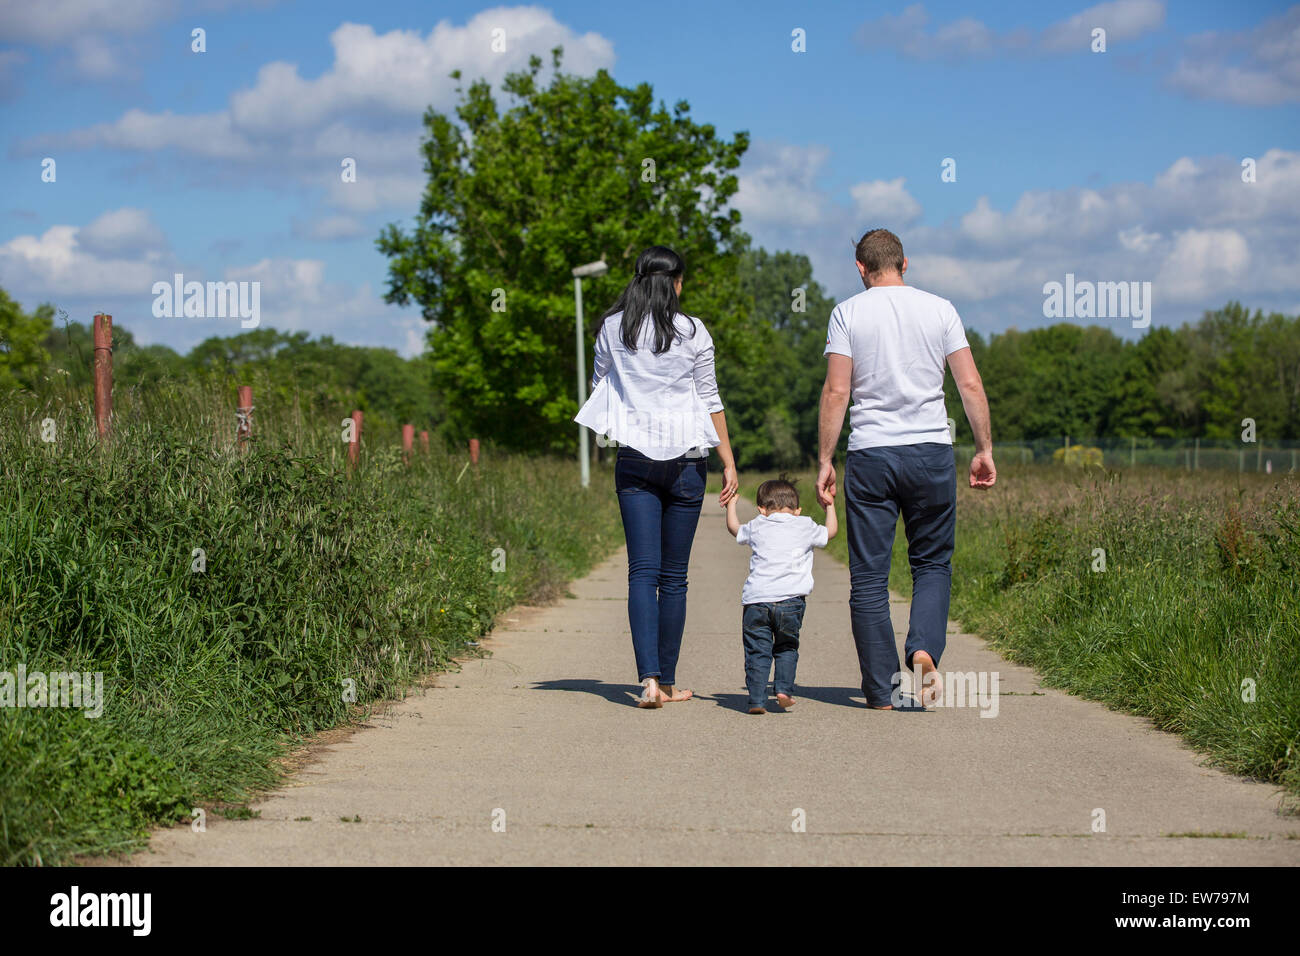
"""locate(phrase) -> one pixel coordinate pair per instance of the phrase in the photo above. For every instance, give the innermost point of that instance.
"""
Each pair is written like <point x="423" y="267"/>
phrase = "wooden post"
<point x="354" y="446"/>
<point x="408" y="442"/>
<point x="103" y="365"/>
<point x="473" y="450"/>
<point x="244" y="417"/>
<point x="424" y="441"/>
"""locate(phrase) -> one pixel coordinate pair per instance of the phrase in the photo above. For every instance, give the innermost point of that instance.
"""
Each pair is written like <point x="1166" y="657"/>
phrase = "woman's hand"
<point x="730" y="483"/>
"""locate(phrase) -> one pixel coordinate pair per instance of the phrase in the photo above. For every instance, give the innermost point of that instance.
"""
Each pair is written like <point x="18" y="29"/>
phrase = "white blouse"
<point x="656" y="404"/>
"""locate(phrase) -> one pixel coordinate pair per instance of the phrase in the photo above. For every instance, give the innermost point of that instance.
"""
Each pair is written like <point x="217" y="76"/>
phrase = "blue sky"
<point x="1115" y="166"/>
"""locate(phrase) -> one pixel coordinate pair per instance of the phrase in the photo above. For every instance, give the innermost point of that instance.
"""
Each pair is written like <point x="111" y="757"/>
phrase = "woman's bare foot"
<point x="929" y="685"/>
<point x="671" y="695"/>
<point x="651" y="694"/>
<point x="757" y="710"/>
<point x="784" y="701"/>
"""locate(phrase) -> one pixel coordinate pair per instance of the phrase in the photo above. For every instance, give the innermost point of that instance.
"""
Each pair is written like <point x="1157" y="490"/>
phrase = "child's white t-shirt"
<point x="781" y="564"/>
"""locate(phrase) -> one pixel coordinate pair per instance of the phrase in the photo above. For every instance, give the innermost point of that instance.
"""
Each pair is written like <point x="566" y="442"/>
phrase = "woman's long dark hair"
<point x="652" y="294"/>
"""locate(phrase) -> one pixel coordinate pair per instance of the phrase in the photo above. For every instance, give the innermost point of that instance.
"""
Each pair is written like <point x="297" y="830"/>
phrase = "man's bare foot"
<point x="651" y="694"/>
<point x="784" y="701"/>
<point x="928" y="682"/>
<point x="882" y="707"/>
<point x="757" y="710"/>
<point x="672" y="695"/>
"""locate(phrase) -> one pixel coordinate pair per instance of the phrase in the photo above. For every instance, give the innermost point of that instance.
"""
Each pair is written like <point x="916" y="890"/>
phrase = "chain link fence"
<point x="1190" y="454"/>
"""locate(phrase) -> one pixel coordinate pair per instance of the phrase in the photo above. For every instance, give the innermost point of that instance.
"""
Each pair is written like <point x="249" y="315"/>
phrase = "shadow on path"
<point x="614" y="693"/>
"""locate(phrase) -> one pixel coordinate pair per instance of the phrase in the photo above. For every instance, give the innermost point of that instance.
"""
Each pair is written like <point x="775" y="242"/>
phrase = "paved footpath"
<point x="541" y="737"/>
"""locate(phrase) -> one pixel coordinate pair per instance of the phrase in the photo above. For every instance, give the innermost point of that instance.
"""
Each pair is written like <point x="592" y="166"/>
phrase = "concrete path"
<point x="541" y="737"/>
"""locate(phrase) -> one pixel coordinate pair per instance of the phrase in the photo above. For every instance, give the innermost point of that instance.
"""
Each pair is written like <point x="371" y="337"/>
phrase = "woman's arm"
<point x="600" y="363"/>
<point x="706" y="387"/>
<point x="730" y="480"/>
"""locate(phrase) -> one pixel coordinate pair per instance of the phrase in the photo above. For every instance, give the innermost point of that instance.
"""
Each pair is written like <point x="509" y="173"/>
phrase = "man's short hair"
<point x="776" y="494"/>
<point x="880" y="252"/>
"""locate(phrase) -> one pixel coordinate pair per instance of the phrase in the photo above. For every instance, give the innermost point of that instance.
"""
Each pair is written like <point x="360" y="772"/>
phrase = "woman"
<point x="654" y="394"/>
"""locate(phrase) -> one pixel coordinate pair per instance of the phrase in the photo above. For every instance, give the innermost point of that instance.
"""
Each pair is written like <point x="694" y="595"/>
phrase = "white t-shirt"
<point x="898" y="338"/>
<point x="781" y="564"/>
<point x="657" y="404"/>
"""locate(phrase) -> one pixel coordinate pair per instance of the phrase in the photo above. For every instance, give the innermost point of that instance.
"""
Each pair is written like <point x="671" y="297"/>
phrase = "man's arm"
<point x="983" y="473"/>
<point x="835" y="400"/>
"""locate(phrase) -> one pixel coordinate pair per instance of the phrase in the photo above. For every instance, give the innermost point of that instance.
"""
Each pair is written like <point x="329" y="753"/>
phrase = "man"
<point x="886" y="348"/>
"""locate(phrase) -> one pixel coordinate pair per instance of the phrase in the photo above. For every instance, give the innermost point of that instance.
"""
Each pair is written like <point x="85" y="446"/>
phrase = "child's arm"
<point x="733" y="519"/>
<point x="832" y="521"/>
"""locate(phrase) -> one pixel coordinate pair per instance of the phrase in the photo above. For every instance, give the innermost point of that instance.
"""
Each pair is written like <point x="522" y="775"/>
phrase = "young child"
<point x="780" y="578"/>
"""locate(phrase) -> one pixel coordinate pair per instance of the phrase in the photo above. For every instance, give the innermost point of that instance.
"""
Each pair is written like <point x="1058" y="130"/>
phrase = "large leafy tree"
<point x="561" y="173"/>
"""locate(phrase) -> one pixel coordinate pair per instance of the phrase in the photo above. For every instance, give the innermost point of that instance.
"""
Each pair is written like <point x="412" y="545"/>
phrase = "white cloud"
<point x="1201" y="262"/>
<point x="907" y="33"/>
<point x="1258" y="67"/>
<point x="122" y="233"/>
<point x="54" y="22"/>
<point x="94" y="59"/>
<point x="1195" y="230"/>
<point x="113" y="262"/>
<point x="1121" y="19"/>
<point x="54" y="266"/>
<point x="961" y="279"/>
<point x="287" y="127"/>
<point x="885" y="201"/>
<point x="1137" y="239"/>
<point x="778" y="184"/>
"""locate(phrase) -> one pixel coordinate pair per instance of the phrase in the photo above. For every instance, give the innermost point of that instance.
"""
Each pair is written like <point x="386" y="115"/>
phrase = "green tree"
<point x="568" y="172"/>
<point x="773" y="397"/>
<point x="22" y="352"/>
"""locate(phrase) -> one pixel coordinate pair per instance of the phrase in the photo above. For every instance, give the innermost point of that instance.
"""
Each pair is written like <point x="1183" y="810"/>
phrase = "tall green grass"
<point x="317" y="580"/>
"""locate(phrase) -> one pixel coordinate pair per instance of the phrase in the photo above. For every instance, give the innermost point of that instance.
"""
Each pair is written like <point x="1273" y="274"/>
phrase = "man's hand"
<point x="826" y="485"/>
<point x="982" y="471"/>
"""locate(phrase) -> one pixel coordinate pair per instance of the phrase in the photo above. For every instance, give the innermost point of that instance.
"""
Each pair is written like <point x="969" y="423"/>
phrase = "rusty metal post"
<point x="408" y="442"/>
<point x="244" y="417"/>
<point x="354" y="446"/>
<point x="103" y="365"/>
<point x="424" y="441"/>
<point x="473" y="450"/>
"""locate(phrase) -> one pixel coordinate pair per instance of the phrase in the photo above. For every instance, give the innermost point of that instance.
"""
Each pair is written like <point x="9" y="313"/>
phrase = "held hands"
<point x="982" y="471"/>
<point x="730" y="484"/>
<point x="826" y="485"/>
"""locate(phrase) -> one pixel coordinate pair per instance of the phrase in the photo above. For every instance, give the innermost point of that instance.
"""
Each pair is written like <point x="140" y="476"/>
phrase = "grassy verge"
<point x="317" y="592"/>
<point x="1194" y="621"/>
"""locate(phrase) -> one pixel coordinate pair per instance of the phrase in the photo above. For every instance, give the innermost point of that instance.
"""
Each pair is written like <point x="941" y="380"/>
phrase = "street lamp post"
<point x="590" y="270"/>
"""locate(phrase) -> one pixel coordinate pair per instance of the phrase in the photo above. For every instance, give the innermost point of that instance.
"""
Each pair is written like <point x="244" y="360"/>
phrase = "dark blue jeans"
<point x="660" y="502"/>
<point x="920" y="481"/>
<point x="771" y="633"/>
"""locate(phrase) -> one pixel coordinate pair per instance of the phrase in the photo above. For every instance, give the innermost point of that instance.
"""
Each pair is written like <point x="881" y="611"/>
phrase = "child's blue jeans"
<point x="771" y="634"/>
